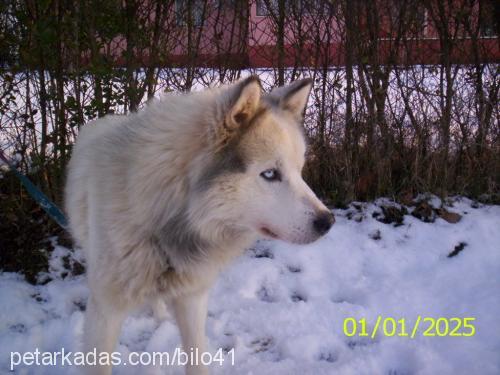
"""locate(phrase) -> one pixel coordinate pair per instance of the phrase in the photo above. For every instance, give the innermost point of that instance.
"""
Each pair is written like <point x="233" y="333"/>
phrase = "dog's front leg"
<point x="190" y="314"/>
<point x="101" y="331"/>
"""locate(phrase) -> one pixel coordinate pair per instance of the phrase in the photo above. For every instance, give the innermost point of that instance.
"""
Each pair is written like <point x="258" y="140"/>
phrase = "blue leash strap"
<point x="48" y="206"/>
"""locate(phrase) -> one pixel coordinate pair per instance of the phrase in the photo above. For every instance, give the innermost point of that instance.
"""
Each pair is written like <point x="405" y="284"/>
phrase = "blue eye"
<point x="271" y="175"/>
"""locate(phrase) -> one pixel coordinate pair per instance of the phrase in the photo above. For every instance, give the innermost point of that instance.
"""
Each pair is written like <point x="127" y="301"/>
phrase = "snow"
<point x="282" y="307"/>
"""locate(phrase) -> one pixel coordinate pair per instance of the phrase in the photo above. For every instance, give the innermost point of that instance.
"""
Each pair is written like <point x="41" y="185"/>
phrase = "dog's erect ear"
<point x="294" y="97"/>
<point x="237" y="104"/>
<point x="244" y="102"/>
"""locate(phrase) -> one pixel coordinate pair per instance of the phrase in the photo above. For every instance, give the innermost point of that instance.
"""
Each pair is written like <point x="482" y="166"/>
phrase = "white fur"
<point x="131" y="177"/>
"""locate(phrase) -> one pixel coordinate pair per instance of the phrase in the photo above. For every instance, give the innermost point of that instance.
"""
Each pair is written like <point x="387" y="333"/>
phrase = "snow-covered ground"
<point x="282" y="307"/>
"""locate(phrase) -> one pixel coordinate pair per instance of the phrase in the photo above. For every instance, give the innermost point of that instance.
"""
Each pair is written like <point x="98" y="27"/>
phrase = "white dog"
<point x="162" y="199"/>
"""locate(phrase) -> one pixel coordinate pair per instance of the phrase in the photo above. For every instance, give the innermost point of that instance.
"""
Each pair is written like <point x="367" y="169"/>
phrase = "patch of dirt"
<point x="489" y="198"/>
<point x="262" y="344"/>
<point x="356" y="216"/>
<point x="457" y="249"/>
<point x="406" y="198"/>
<point x="425" y="212"/>
<point x="450" y="217"/>
<point x="391" y="215"/>
<point x="375" y="235"/>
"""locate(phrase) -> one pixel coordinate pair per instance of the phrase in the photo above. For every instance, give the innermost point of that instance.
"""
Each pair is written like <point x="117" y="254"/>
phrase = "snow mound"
<point x="282" y="307"/>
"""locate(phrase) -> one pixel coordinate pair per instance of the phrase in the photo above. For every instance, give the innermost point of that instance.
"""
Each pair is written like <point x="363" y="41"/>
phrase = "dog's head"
<point x="254" y="179"/>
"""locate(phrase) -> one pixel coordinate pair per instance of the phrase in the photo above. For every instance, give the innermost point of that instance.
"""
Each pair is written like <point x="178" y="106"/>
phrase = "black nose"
<point x="323" y="222"/>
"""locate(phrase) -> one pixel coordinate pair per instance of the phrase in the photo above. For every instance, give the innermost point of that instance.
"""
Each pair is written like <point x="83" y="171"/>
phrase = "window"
<point x="266" y="7"/>
<point x="409" y="17"/>
<point x="489" y="14"/>
<point x="417" y="19"/>
<point x="318" y="6"/>
<point x="190" y="12"/>
<point x="231" y="3"/>
<point x="263" y="7"/>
